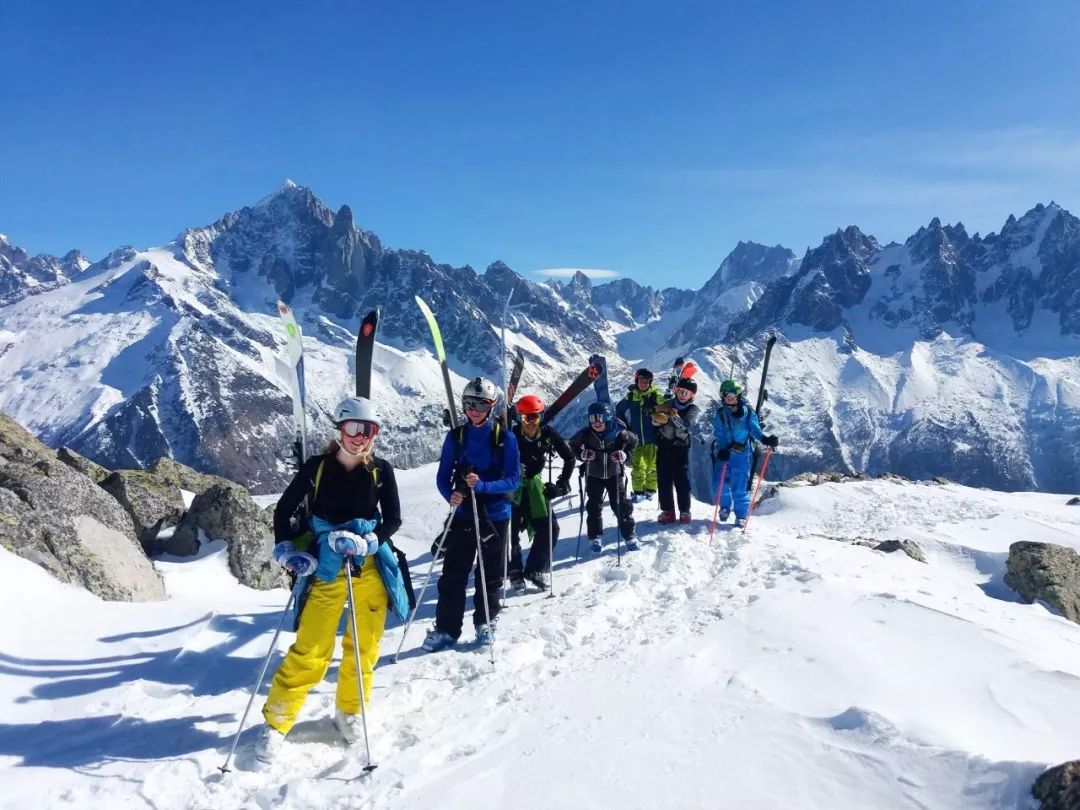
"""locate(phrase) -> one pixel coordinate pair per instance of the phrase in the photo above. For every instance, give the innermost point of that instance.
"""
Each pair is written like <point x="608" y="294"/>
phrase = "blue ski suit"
<point x="734" y="429"/>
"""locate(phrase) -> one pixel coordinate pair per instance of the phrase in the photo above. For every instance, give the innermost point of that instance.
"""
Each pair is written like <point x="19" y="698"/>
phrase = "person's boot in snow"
<point x="269" y="743"/>
<point x="485" y="633"/>
<point x="349" y="726"/>
<point x="436" y="640"/>
<point x="539" y="579"/>
<point x="724" y="513"/>
<point x="631" y="543"/>
<point x="740" y="523"/>
<point x="666" y="517"/>
<point x="685" y="517"/>
<point x="596" y="544"/>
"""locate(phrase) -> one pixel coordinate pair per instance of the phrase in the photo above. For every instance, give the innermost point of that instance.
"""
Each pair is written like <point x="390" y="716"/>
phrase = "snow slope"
<point x="783" y="668"/>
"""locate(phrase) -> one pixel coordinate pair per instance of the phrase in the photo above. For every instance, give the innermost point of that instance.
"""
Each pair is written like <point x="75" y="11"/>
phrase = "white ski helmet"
<point x="356" y="408"/>
<point x="479" y="388"/>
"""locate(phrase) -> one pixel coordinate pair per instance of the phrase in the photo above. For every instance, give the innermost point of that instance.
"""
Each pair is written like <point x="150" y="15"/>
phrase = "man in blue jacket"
<point x="736" y="427"/>
<point x="480" y="465"/>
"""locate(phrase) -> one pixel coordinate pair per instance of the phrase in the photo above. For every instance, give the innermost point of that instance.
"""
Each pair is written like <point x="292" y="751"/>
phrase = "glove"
<point x="770" y="441"/>
<point x="351" y="544"/>
<point x="723" y="454"/>
<point x="660" y="418"/>
<point x="550" y="490"/>
<point x="562" y="488"/>
<point x="587" y="454"/>
<point x="618" y="456"/>
<point x="299" y="562"/>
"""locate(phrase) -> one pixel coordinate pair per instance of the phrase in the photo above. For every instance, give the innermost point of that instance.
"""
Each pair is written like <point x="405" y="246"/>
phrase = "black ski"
<point x="587" y="377"/>
<point x="762" y="395"/>
<point x="440" y="353"/>
<point x="511" y="387"/>
<point x="365" y="349"/>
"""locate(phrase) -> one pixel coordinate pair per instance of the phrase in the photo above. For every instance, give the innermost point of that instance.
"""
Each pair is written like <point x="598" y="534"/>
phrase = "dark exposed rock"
<point x="151" y="503"/>
<point x="1059" y="787"/>
<point x="95" y="472"/>
<point x="909" y="547"/>
<point x="225" y="512"/>
<point x="61" y="520"/>
<point x="1048" y="572"/>
<point x="1073" y="502"/>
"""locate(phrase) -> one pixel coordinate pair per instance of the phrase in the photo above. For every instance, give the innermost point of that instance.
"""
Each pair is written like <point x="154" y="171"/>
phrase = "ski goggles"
<point x="531" y="417"/>
<point x="597" y="418"/>
<point x="476" y="404"/>
<point x="730" y="396"/>
<point x="358" y="427"/>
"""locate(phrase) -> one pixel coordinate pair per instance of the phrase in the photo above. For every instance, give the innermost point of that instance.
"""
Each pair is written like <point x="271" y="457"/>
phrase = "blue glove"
<point x="330" y="560"/>
<point x="299" y="562"/>
<point x="351" y="544"/>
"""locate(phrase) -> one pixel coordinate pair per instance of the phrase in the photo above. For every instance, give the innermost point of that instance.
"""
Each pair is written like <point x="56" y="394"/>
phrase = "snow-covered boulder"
<point x="1048" y="572"/>
<point x="226" y="512"/>
<point x="1059" y="787"/>
<point x="151" y="502"/>
<point x="60" y="519"/>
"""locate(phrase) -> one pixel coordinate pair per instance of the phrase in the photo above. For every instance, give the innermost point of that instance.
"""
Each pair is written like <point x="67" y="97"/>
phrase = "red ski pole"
<point x="716" y="506"/>
<point x="757" y="489"/>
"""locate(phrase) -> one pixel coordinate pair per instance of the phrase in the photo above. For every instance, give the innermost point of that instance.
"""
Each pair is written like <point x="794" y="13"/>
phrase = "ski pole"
<point x="300" y="582"/>
<point x="483" y="576"/>
<point x="618" y="513"/>
<point x="581" y="515"/>
<point x="427" y="579"/>
<point x="356" y="656"/>
<point x="757" y="489"/>
<point x="716" y="506"/>
<point x="551" y="538"/>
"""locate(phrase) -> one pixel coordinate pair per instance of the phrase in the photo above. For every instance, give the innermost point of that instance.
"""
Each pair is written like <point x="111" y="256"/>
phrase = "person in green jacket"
<point x="635" y="410"/>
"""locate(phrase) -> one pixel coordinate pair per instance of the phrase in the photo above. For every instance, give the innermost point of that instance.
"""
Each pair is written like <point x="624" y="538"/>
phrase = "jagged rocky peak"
<point x="750" y="261"/>
<point x="22" y="274"/>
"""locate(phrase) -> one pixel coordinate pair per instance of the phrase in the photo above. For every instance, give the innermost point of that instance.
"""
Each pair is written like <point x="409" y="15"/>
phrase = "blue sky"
<point x="645" y="138"/>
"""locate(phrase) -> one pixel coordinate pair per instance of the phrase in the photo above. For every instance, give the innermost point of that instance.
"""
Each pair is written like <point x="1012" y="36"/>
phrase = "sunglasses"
<point x="476" y="404"/>
<point x="597" y="418"/>
<point x="357" y="427"/>
<point x="531" y="417"/>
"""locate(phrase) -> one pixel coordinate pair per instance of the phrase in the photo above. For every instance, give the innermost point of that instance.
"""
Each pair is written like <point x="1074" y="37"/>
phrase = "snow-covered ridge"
<point x="948" y="355"/>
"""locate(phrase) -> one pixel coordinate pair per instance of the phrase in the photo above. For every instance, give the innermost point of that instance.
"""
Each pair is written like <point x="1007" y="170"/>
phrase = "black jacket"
<point x="365" y="492"/>
<point x="675" y="433"/>
<point x="534" y="452"/>
<point x="602" y="466"/>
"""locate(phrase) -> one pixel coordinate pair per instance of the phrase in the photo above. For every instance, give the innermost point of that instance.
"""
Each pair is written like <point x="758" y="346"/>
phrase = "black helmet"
<point x="601" y="409"/>
<point x="643" y="372"/>
<point x="688" y="384"/>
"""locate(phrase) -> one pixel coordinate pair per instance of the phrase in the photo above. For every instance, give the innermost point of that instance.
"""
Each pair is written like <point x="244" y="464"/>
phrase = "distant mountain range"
<point x="951" y="354"/>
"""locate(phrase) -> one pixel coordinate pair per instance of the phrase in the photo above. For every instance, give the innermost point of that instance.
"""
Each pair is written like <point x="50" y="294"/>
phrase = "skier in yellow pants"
<point x="354" y="509"/>
<point x="309" y="658"/>
<point x="635" y="411"/>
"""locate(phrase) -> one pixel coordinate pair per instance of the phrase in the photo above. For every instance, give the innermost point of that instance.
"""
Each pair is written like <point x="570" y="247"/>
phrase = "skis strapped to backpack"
<point x="600" y="385"/>
<point x="762" y="395"/>
<point x="365" y="349"/>
<point x="511" y="386"/>
<point x="589" y="375"/>
<point x="440" y="353"/>
<point x="294" y="348"/>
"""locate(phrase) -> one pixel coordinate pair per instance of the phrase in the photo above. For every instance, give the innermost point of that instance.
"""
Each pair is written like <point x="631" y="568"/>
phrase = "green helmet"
<point x="730" y="387"/>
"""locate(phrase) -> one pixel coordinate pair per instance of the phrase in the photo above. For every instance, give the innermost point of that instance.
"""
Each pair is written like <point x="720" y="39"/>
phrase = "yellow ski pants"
<point x="643" y="471"/>
<point x="309" y="657"/>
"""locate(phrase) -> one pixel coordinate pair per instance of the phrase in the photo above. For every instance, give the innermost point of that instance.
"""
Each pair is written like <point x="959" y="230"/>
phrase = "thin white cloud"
<point x="568" y="272"/>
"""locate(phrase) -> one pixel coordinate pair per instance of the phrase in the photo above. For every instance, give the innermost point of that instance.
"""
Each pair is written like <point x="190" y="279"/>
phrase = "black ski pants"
<point x="539" y="553"/>
<point x="672" y="470"/>
<point x="615" y="489"/>
<point x="457" y="562"/>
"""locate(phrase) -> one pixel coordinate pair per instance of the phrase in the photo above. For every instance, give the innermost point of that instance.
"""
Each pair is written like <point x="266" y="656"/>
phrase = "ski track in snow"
<point x="783" y="667"/>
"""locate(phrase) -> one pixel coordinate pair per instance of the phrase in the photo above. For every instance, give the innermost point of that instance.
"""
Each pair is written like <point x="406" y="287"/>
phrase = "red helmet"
<point x="530" y="403"/>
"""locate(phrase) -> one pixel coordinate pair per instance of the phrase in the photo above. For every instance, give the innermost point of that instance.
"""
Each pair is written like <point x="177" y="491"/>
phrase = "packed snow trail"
<point x="783" y="667"/>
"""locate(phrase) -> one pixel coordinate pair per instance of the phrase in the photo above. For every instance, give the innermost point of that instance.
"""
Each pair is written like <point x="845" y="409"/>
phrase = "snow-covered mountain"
<point x="22" y="274"/>
<point x="949" y="355"/>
